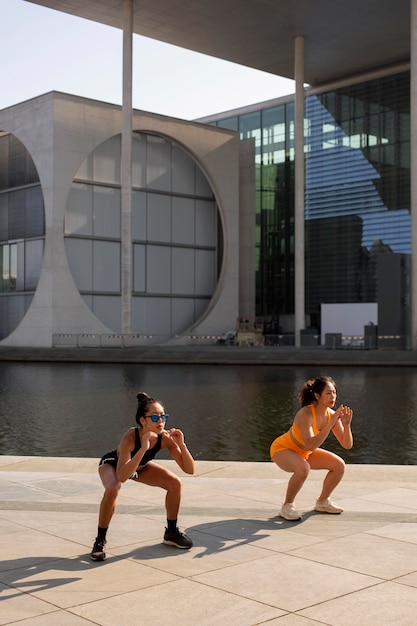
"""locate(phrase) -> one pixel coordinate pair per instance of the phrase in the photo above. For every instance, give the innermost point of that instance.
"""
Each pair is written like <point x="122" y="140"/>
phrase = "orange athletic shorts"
<point x="284" y="442"/>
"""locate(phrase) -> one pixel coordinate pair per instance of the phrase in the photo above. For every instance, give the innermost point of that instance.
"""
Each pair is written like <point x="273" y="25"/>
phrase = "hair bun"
<point x="142" y="397"/>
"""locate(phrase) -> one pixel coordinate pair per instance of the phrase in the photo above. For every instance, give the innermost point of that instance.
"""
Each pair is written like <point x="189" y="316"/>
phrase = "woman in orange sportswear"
<point x="298" y="450"/>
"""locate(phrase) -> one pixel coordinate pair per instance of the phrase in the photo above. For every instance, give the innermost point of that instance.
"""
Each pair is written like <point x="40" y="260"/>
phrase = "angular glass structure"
<point x="357" y="196"/>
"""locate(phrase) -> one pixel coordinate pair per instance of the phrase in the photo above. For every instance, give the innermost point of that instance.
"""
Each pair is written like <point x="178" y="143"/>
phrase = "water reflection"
<point x="226" y="412"/>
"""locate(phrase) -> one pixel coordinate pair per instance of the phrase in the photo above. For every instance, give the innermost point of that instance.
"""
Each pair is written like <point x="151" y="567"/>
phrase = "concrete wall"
<point x="59" y="131"/>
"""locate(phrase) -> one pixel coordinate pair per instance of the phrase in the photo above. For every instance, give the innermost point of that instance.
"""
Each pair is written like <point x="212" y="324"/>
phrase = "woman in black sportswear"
<point x="133" y="459"/>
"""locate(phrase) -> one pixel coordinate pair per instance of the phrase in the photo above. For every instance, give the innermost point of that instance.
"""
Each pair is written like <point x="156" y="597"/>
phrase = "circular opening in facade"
<point x="175" y="234"/>
<point x="22" y="232"/>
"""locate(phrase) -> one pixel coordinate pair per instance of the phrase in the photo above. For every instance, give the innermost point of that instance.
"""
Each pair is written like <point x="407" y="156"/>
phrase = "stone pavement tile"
<point x="60" y="465"/>
<point x="292" y="619"/>
<point x="385" y="604"/>
<point x="333" y="526"/>
<point x="17" y="605"/>
<point x="209" y="553"/>
<point x="69" y="582"/>
<point x="404" y="498"/>
<point x="17" y="521"/>
<point x="275" y="534"/>
<point x="63" y="618"/>
<point x="62" y="485"/>
<point x="366" y="554"/>
<point x="181" y="602"/>
<point x="32" y="547"/>
<point x="12" y="491"/>
<point x="286" y="582"/>
<point x="409" y="579"/>
<point x="401" y="531"/>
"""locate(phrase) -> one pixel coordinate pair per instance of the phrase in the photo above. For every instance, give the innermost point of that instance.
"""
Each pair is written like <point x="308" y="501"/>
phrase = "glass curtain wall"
<point x="357" y="203"/>
<point x="22" y="232"/>
<point x="357" y="198"/>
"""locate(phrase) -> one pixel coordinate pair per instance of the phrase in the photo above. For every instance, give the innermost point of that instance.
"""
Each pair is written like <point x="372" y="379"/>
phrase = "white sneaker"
<point x="327" y="506"/>
<point x="289" y="512"/>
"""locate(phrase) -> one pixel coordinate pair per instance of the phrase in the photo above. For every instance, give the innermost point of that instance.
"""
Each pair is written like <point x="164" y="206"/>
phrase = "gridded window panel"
<point x="33" y="263"/>
<point x="183" y="167"/>
<point x="4" y="217"/>
<point x="107" y="309"/>
<point x="4" y="318"/>
<point x="17" y="163"/>
<point x="158" y="317"/>
<point x="139" y="148"/>
<point x="139" y="268"/>
<point x="159" y="218"/>
<point x="16" y="311"/>
<point x="106" y="266"/>
<point x="139" y="199"/>
<point x="232" y="123"/>
<point x="107" y="161"/>
<point x="183" y="271"/>
<point x="158" y="269"/>
<point x="183" y="220"/>
<point x="17" y="211"/>
<point x="205" y="223"/>
<point x="106" y="212"/>
<point x="183" y="314"/>
<point x="79" y="211"/>
<point x="4" y="268"/>
<point x="202" y="186"/>
<point x="205" y="272"/>
<point x="20" y="265"/>
<point x="200" y="306"/>
<point x="34" y="212"/>
<point x="4" y="162"/>
<point x="13" y="267"/>
<point x="159" y="164"/>
<point x="139" y="315"/>
<point x="80" y="259"/>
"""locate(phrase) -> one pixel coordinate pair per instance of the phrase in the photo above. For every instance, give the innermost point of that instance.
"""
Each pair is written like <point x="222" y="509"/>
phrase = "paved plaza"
<point x="248" y="566"/>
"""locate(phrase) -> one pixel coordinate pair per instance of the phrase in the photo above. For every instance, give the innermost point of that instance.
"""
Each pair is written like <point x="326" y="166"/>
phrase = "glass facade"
<point x="176" y="236"/>
<point x="22" y="232"/>
<point x="357" y="194"/>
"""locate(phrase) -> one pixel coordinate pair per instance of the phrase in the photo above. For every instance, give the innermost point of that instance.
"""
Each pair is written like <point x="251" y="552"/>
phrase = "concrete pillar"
<point x="413" y="168"/>
<point x="247" y="228"/>
<point x="126" y="172"/>
<point x="299" y="237"/>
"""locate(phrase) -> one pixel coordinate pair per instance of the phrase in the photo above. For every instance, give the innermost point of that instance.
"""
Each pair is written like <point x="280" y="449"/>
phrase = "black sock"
<point x="172" y="524"/>
<point x="101" y="534"/>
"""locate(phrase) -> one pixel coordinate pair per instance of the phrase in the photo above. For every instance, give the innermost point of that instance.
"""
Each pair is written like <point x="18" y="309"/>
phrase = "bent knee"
<point x="174" y="484"/>
<point x="112" y="491"/>
<point x="303" y="470"/>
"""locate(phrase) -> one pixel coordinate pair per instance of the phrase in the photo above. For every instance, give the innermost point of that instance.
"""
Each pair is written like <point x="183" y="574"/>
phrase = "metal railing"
<point x="102" y="340"/>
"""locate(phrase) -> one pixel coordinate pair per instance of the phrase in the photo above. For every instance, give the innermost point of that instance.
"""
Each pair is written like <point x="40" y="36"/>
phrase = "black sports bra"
<point x="149" y="454"/>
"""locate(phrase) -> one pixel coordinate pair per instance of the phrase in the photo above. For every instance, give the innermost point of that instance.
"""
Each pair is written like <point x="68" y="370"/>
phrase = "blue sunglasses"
<point x="155" y="417"/>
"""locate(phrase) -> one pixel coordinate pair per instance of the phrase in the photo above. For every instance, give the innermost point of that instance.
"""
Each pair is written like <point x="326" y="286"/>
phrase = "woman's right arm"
<point x="304" y="421"/>
<point x="127" y="465"/>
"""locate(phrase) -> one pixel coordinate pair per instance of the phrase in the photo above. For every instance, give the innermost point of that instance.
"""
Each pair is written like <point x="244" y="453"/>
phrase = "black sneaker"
<point x="177" y="539"/>
<point x="97" y="553"/>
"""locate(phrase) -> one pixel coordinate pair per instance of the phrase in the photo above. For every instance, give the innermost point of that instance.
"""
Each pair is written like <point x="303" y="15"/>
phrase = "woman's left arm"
<point x="341" y="429"/>
<point x="174" y="441"/>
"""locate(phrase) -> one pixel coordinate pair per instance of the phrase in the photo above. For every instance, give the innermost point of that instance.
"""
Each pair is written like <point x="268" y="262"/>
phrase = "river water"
<point x="226" y="412"/>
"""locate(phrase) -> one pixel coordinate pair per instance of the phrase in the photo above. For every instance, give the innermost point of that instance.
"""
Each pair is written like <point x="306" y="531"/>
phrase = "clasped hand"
<point x="344" y="414"/>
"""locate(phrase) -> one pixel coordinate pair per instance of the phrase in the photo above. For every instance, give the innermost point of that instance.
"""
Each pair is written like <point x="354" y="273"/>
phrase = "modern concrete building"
<point x="332" y="47"/>
<point x="63" y="255"/>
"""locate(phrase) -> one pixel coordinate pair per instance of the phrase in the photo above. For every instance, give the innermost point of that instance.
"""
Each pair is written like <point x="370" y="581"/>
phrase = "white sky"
<point x="42" y="50"/>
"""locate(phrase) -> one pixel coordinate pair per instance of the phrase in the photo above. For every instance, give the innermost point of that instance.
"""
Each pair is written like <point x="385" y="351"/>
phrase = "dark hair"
<point x="143" y="401"/>
<point x="311" y="387"/>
